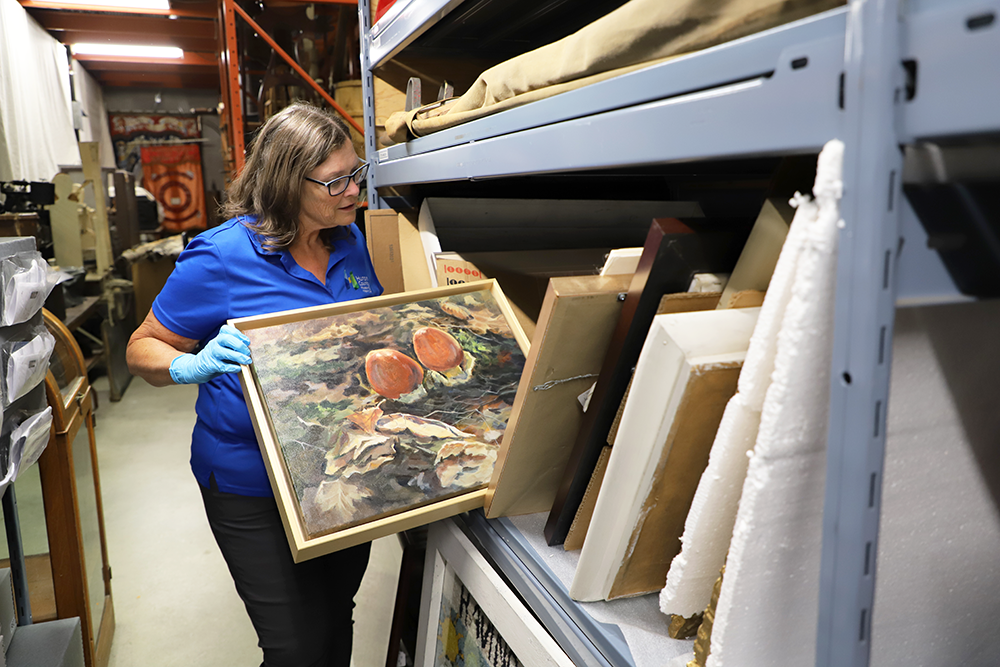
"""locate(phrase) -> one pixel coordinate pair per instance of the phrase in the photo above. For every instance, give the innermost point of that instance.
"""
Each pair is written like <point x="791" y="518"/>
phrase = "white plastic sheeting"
<point x="95" y="116"/>
<point x="36" y="111"/>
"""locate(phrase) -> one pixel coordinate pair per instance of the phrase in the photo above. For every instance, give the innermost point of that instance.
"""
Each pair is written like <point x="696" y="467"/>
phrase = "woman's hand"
<point x="153" y="349"/>
<point x="223" y="354"/>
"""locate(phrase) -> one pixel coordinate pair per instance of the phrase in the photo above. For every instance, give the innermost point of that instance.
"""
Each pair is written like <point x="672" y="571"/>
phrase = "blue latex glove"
<point x="223" y="354"/>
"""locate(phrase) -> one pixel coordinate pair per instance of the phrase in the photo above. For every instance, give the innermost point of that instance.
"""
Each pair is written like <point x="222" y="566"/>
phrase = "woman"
<point x="290" y="242"/>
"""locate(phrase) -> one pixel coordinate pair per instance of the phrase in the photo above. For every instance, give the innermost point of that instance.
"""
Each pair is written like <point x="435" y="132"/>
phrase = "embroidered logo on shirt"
<point x="357" y="282"/>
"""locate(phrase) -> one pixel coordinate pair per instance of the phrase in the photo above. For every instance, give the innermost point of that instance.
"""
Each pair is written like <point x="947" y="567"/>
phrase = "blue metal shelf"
<point x="739" y="99"/>
<point x="921" y="277"/>
<point x="745" y="99"/>
<point x="956" y="46"/>
<point x="593" y="634"/>
<point x="778" y="110"/>
<point x="747" y="59"/>
<point x="587" y="642"/>
<point x="403" y="23"/>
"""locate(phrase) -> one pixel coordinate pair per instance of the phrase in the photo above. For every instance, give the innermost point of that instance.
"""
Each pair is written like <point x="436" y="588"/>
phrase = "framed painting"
<point x="383" y="414"/>
<point x="546" y="413"/>
<point x="470" y="617"/>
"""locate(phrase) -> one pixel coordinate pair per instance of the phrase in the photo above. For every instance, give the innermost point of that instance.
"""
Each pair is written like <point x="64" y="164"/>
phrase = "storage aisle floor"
<point x="175" y="603"/>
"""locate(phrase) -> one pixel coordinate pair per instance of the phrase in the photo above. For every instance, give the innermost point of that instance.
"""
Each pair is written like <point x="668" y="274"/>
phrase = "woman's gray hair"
<point x="285" y="150"/>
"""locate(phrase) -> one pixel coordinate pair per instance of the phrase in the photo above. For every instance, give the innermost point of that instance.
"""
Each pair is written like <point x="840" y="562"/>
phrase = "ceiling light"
<point x="127" y="50"/>
<point x="126" y="4"/>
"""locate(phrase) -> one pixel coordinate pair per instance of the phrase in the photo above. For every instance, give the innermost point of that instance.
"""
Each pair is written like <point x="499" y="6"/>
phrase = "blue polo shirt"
<point x="225" y="273"/>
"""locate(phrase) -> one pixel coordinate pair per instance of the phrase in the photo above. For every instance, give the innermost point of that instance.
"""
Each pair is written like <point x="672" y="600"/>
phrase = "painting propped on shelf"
<point x="470" y="616"/>
<point x="382" y="414"/>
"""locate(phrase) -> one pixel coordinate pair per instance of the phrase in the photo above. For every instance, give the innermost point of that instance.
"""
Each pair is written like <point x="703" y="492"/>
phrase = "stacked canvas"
<point x="668" y="429"/>
<point x="766" y="612"/>
<point x="684" y="302"/>
<point x="687" y="371"/>
<point x="709" y="524"/>
<point x="760" y="254"/>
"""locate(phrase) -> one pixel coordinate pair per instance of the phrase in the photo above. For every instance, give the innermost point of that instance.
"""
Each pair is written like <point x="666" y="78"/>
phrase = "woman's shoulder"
<point x="229" y="235"/>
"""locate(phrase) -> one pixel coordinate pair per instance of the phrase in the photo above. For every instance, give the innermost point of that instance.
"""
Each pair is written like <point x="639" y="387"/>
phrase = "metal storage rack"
<point x="877" y="74"/>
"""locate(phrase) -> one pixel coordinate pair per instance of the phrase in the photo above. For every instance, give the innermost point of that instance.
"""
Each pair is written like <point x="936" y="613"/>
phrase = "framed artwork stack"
<point x="383" y="414"/>
<point x="672" y="254"/>
<point x="687" y="372"/>
<point x="469" y="616"/>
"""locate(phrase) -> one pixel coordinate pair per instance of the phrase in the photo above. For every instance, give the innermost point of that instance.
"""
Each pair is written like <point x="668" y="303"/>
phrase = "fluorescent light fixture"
<point x="127" y="4"/>
<point x="127" y="50"/>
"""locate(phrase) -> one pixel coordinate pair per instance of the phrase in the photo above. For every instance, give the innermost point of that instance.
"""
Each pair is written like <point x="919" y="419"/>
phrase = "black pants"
<point x="302" y="612"/>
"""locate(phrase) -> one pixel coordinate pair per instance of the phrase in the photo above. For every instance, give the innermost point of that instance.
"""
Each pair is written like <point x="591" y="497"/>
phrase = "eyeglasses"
<point x="338" y="185"/>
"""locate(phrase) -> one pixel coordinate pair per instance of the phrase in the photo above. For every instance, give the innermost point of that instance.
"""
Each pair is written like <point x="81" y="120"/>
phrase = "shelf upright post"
<point x="232" y="88"/>
<point x="871" y="97"/>
<point x="15" y="550"/>
<point x="368" y="97"/>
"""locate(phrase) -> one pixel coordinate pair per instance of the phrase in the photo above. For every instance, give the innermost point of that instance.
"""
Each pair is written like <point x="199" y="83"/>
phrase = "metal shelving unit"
<point x="679" y="90"/>
<point x="876" y="74"/>
<point x="403" y="23"/>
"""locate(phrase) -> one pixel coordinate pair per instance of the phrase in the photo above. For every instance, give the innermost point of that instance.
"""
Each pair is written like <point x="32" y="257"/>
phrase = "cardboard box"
<point x="382" y="235"/>
<point x="523" y="275"/>
<point x="396" y="251"/>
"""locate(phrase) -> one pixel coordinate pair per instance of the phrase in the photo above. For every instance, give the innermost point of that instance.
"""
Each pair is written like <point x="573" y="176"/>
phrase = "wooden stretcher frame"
<point x="303" y="547"/>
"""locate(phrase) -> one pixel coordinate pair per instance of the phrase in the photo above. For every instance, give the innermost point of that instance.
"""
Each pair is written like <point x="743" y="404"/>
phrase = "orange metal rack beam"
<point x="298" y="68"/>
<point x="232" y="85"/>
<point x="230" y="79"/>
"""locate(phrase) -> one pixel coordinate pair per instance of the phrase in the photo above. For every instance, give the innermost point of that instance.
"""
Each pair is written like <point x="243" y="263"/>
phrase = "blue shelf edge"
<point x="781" y="109"/>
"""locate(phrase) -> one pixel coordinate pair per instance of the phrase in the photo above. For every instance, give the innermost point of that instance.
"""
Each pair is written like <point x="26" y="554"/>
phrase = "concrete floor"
<point x="175" y="603"/>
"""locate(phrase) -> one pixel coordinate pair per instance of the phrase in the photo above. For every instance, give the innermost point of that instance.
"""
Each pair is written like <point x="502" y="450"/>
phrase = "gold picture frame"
<point x="471" y="310"/>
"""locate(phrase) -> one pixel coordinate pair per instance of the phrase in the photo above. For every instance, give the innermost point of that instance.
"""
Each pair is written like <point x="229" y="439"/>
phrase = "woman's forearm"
<point x="150" y="359"/>
<point x="152" y="348"/>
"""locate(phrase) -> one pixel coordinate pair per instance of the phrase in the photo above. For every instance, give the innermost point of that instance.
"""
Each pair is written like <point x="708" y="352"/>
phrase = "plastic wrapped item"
<point x="26" y="284"/>
<point x="29" y="438"/>
<point x="25" y="363"/>
<point x="23" y="425"/>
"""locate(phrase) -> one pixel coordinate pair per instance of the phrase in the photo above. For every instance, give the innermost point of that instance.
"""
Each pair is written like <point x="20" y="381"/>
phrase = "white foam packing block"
<point x="709" y="525"/>
<point x="768" y="606"/>
<point x="756" y="374"/>
<point x="937" y="573"/>
<point x="766" y="614"/>
<point x="677" y="347"/>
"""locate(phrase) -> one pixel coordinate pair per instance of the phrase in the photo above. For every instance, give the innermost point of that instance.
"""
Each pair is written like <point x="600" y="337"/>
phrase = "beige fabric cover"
<point x="636" y="35"/>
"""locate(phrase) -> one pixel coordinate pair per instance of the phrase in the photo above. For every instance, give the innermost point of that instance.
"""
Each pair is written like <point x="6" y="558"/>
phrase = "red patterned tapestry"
<point x="131" y="131"/>
<point x="173" y="175"/>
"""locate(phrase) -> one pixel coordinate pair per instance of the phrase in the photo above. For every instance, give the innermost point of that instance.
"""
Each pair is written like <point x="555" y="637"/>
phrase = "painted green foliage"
<point x="366" y="425"/>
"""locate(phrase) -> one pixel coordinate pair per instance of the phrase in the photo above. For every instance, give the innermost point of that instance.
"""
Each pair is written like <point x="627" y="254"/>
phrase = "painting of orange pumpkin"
<point x="391" y="373"/>
<point x="437" y="350"/>
<point x="380" y="410"/>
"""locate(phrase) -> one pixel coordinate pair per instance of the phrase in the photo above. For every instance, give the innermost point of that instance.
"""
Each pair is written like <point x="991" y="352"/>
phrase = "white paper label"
<point x="383" y="155"/>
